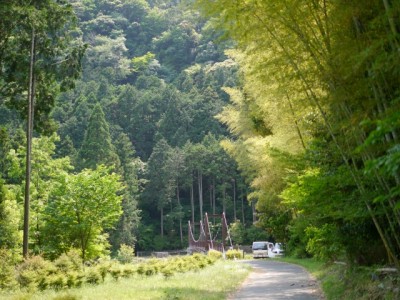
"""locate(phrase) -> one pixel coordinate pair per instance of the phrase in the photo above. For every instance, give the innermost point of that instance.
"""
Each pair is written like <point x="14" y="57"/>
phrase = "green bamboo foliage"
<point x="324" y="71"/>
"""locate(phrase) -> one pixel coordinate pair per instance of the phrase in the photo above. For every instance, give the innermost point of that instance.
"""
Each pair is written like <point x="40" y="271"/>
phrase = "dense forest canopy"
<point x="147" y="114"/>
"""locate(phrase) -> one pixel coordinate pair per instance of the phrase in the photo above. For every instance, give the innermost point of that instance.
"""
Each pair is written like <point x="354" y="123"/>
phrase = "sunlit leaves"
<point x="82" y="206"/>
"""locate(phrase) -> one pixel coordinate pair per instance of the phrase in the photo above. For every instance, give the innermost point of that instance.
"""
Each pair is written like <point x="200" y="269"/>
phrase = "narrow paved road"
<point x="277" y="280"/>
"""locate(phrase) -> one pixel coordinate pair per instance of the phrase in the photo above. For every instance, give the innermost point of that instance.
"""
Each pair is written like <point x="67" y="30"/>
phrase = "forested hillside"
<point x="129" y="96"/>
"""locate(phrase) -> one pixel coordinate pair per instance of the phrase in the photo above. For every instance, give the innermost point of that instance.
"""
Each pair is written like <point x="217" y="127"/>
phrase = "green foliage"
<point x="297" y="243"/>
<point x="234" y="254"/>
<point x="214" y="254"/>
<point x="103" y="268"/>
<point x="97" y="147"/>
<point x="93" y="276"/>
<point x="74" y="279"/>
<point x="237" y="232"/>
<point x="70" y="261"/>
<point x="135" y="71"/>
<point x="9" y="219"/>
<point x="126" y="230"/>
<point x="82" y="207"/>
<point x="57" y="48"/>
<point x="305" y="88"/>
<point x="33" y="273"/>
<point x="323" y="242"/>
<point x="37" y="273"/>
<point x="175" y="47"/>
<point x="256" y="233"/>
<point x="115" y="271"/>
<point x="7" y="270"/>
<point x="167" y="272"/>
<point x="227" y="274"/>
<point x="128" y="271"/>
<point x="141" y="63"/>
<point x="57" y="281"/>
<point x="125" y="254"/>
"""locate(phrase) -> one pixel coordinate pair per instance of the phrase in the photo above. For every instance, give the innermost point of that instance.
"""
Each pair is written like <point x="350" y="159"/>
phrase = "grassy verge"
<point x="213" y="282"/>
<point x="361" y="283"/>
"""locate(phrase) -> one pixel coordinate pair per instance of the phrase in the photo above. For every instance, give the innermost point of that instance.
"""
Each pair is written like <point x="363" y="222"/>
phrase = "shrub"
<point x="234" y="254"/>
<point x="125" y="254"/>
<point x="167" y="272"/>
<point x="103" y="269"/>
<point x="214" y="254"/>
<point x="237" y="232"/>
<point x="115" y="272"/>
<point x="70" y="261"/>
<point x="79" y="279"/>
<point x="181" y="265"/>
<point x="150" y="270"/>
<point x="57" y="281"/>
<point x="93" y="276"/>
<point x="71" y="279"/>
<point x="75" y="258"/>
<point x="128" y="271"/>
<point x="7" y="271"/>
<point x="153" y="266"/>
<point x="323" y="242"/>
<point x="141" y="269"/>
<point x="33" y="271"/>
<point x="198" y="256"/>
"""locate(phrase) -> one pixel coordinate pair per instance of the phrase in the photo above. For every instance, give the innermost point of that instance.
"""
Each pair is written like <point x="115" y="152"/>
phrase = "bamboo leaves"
<point x="314" y="71"/>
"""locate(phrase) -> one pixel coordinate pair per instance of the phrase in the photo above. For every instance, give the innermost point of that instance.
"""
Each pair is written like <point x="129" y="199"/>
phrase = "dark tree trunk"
<point x="29" y="130"/>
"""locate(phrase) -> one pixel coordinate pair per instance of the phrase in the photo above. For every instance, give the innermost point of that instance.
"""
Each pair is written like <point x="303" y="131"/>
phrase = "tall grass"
<point x="213" y="282"/>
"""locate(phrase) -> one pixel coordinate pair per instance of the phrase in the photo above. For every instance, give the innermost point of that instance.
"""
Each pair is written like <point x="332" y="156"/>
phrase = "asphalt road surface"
<point x="277" y="280"/>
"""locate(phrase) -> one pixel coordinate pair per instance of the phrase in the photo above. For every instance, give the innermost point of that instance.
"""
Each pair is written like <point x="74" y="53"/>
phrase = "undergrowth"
<point x="340" y="281"/>
<point x="213" y="282"/>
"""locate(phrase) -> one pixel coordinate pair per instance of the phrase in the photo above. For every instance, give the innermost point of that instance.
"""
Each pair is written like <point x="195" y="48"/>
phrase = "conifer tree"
<point x="125" y="230"/>
<point x="97" y="147"/>
<point x="157" y="192"/>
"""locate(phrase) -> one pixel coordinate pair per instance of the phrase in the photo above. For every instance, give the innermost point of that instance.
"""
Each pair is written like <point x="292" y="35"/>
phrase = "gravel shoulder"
<point x="271" y="279"/>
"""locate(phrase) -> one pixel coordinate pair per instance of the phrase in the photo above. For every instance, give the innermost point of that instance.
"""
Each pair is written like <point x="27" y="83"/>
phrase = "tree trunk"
<point x="253" y="210"/>
<point x="210" y="195"/>
<point x="242" y="209"/>
<point x="180" y="212"/>
<point x="162" y="222"/>
<point x="192" y="205"/>
<point x="29" y="130"/>
<point x="213" y="196"/>
<point x="200" y="187"/>
<point x="223" y="198"/>
<point x="295" y="122"/>
<point x="234" y="200"/>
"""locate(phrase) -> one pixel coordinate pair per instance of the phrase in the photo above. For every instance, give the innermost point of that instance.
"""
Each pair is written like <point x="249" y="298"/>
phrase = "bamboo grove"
<point x="317" y="120"/>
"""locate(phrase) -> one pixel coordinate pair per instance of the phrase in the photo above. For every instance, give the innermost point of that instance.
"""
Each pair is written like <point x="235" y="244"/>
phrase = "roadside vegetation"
<point x="196" y="276"/>
<point x="339" y="281"/>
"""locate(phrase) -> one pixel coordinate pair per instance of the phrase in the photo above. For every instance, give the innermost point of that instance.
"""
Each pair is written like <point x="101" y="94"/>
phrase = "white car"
<point x="278" y="249"/>
<point x="261" y="249"/>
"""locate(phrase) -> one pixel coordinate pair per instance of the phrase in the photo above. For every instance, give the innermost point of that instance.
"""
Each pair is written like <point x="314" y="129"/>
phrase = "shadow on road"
<point x="277" y="280"/>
